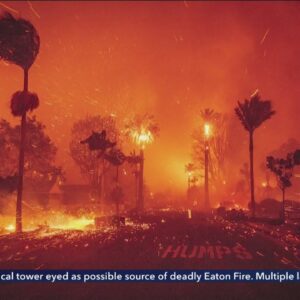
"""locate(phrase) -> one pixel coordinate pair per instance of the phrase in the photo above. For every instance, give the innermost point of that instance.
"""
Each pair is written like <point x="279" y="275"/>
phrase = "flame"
<point x="74" y="223"/>
<point x="207" y="130"/>
<point x="52" y="220"/>
<point x="264" y="184"/>
<point x="67" y="222"/>
<point x="10" y="227"/>
<point x="142" y="137"/>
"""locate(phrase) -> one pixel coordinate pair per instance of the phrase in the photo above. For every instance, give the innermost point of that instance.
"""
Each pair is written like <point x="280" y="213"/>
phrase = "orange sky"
<point x="170" y="59"/>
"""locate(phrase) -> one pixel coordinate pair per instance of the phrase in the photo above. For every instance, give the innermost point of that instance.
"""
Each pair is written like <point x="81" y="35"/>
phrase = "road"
<point x="164" y="241"/>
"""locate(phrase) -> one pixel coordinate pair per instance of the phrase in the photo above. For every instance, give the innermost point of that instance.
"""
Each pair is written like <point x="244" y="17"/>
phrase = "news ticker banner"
<point x="194" y="276"/>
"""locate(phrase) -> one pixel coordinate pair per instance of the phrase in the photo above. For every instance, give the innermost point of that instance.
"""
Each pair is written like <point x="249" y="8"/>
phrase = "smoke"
<point x="168" y="59"/>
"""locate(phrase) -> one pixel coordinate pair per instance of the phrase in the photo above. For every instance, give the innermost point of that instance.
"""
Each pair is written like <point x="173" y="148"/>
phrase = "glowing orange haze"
<point x="170" y="59"/>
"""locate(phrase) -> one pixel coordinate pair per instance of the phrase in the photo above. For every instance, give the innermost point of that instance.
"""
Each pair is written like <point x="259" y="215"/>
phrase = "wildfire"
<point x="69" y="223"/>
<point x="142" y="129"/>
<point x="207" y="130"/>
<point x="10" y="227"/>
<point x="53" y="220"/>
<point x="142" y="137"/>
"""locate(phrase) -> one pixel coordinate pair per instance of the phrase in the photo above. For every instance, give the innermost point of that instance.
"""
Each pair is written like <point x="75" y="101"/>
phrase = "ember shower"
<point x="159" y="134"/>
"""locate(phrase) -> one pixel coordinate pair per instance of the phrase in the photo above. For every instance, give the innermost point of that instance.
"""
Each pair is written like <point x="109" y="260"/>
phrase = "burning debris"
<point x="75" y="193"/>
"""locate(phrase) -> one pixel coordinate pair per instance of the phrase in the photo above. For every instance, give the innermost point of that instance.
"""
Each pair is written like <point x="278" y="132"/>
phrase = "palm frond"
<point x="22" y="102"/>
<point x="252" y="113"/>
<point x="208" y="114"/>
<point x="19" y="41"/>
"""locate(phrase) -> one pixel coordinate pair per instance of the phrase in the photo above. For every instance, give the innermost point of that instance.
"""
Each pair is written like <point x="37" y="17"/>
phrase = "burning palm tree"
<point x="252" y="113"/>
<point x="208" y="116"/>
<point x="19" y="44"/>
<point x="142" y="129"/>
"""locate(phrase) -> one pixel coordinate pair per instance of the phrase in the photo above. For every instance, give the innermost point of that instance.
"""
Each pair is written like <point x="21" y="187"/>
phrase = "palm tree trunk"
<point x="283" y="203"/>
<point x="103" y="183"/>
<point x="251" y="174"/>
<point x="102" y="188"/>
<point x="21" y="163"/>
<point x="117" y="200"/>
<point x="136" y="178"/>
<point x="206" y="188"/>
<point x="140" y="207"/>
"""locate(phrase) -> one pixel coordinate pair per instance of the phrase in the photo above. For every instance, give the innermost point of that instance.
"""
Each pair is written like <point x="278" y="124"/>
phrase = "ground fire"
<point x="149" y="136"/>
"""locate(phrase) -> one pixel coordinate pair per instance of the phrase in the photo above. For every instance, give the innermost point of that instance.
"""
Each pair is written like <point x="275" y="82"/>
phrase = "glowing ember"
<point x="264" y="184"/>
<point x="10" y="228"/>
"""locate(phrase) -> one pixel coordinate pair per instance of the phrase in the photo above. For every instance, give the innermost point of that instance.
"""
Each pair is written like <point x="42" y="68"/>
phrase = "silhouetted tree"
<point x="287" y="147"/>
<point x="92" y="167"/>
<point x="283" y="169"/>
<point x="218" y="145"/>
<point x="141" y="129"/>
<point x="252" y="113"/>
<point x="40" y="171"/>
<point x="19" y="44"/>
<point x="116" y="157"/>
<point x="297" y="157"/>
<point x="8" y="185"/>
<point x="98" y="141"/>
